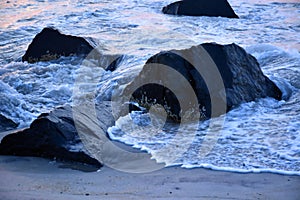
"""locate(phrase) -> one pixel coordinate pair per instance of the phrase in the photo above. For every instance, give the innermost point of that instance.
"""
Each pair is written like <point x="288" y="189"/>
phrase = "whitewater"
<point x="258" y="136"/>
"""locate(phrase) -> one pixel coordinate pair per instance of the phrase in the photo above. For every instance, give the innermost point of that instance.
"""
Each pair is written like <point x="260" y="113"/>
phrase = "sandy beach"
<point x="37" y="178"/>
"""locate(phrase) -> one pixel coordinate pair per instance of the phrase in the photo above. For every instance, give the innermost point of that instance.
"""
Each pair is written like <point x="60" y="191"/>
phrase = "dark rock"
<point x="232" y="71"/>
<point x="212" y="8"/>
<point x="110" y="62"/>
<point x="50" y="44"/>
<point x="54" y="135"/>
<point x="7" y="124"/>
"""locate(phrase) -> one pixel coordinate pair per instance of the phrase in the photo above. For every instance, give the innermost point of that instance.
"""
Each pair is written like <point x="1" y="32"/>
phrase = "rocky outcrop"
<point x="55" y="135"/>
<point x="7" y="124"/>
<point x="217" y="74"/>
<point x="50" y="44"/>
<point x="211" y="8"/>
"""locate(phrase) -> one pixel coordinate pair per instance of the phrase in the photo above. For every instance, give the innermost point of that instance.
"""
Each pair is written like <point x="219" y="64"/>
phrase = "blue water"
<point x="263" y="135"/>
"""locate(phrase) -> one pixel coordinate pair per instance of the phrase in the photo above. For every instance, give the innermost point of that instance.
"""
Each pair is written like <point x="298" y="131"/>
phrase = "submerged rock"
<point x="54" y="135"/>
<point x="7" y="124"/>
<point x="220" y="77"/>
<point x="50" y="44"/>
<point x="212" y="8"/>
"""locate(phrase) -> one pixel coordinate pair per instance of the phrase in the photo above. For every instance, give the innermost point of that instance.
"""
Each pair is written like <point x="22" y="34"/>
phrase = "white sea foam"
<point x="230" y="169"/>
<point x="27" y="90"/>
<point x="258" y="136"/>
<point x="255" y="137"/>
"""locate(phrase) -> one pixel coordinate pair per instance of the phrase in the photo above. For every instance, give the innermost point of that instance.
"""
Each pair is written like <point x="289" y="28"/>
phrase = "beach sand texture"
<point x="37" y="178"/>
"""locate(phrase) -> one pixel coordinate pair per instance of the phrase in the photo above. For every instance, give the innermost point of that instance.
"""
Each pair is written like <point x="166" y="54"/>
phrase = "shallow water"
<point x="257" y="136"/>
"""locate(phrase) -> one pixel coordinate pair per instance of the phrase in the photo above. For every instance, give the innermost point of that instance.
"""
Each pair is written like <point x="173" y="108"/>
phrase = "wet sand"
<point x="37" y="178"/>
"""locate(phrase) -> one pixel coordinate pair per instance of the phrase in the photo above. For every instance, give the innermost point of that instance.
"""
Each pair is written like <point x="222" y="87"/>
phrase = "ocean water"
<point x="263" y="135"/>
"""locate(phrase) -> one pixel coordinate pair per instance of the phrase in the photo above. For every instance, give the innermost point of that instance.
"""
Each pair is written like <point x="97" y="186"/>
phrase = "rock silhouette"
<point x="211" y="8"/>
<point x="54" y="135"/>
<point x="225" y="74"/>
<point x="50" y="44"/>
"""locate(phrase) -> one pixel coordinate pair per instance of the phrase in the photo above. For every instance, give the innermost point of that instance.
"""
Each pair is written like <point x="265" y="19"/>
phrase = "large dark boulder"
<point x="54" y="135"/>
<point x="50" y="44"/>
<point x="211" y="8"/>
<point x="225" y="74"/>
<point x="7" y="124"/>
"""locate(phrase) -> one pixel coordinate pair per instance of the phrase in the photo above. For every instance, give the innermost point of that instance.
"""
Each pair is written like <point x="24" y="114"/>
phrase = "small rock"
<point x="7" y="124"/>
<point x="211" y="8"/>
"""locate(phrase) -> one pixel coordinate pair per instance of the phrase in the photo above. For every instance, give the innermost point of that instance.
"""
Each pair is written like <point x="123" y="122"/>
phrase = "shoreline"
<point x="38" y="178"/>
<point x="145" y="156"/>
